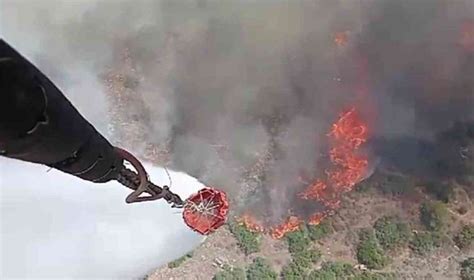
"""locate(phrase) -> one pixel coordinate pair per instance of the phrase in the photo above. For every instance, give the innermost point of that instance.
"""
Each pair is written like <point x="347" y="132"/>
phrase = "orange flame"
<point x="250" y="223"/>
<point x="291" y="224"/>
<point x="466" y="39"/>
<point x="341" y="38"/>
<point x="316" y="219"/>
<point x="346" y="136"/>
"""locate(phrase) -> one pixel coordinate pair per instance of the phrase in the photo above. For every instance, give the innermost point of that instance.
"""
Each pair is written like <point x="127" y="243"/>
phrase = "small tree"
<point x="322" y="230"/>
<point x="391" y="233"/>
<point x="249" y="242"/>
<point x="465" y="238"/>
<point x="433" y="215"/>
<point x="298" y="241"/>
<point x="179" y="261"/>
<point x="260" y="270"/>
<point x="230" y="273"/>
<point x="467" y="269"/>
<point x="333" y="271"/>
<point x="306" y="257"/>
<point x="369" y="252"/>
<point x="425" y="242"/>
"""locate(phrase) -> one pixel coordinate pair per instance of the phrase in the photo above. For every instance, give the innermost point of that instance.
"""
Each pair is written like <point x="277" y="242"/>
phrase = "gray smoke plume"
<point x="242" y="93"/>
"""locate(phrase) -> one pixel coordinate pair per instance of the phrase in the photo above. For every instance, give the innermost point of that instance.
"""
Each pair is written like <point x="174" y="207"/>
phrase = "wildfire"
<point x="291" y="224"/>
<point x="467" y="36"/>
<point x="347" y="168"/>
<point x="314" y="191"/>
<point x="316" y="219"/>
<point x="347" y="134"/>
<point x="341" y="38"/>
<point x="250" y="223"/>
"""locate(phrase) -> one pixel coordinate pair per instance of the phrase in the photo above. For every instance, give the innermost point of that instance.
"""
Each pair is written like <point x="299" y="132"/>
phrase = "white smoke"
<point x="52" y="224"/>
<point x="55" y="225"/>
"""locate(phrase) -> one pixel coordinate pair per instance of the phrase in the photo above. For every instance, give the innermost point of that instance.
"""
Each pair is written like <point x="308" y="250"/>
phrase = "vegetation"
<point x="230" y="273"/>
<point x="440" y="191"/>
<point x="299" y="243"/>
<point x="425" y="242"/>
<point x="465" y="238"/>
<point x="260" y="270"/>
<point x="340" y="270"/>
<point x="300" y="264"/>
<point x="391" y="233"/>
<point x="396" y="185"/>
<point x="332" y="271"/>
<point x="293" y="272"/>
<point x="433" y="215"/>
<point x="248" y="241"/>
<point x="298" y="240"/>
<point x="180" y="261"/>
<point x="467" y="269"/>
<point x="369" y="251"/>
<point x="322" y="230"/>
<point x="374" y="276"/>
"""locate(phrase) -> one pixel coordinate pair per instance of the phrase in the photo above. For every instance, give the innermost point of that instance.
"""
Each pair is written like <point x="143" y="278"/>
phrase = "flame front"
<point x="250" y="223"/>
<point x="293" y="223"/>
<point x="348" y="167"/>
<point x="347" y="134"/>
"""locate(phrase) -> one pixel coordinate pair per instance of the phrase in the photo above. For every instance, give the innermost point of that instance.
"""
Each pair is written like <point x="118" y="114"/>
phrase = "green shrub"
<point x="230" y="273"/>
<point x="433" y="215"/>
<point x="260" y="270"/>
<point x="293" y="271"/>
<point x="391" y="233"/>
<point x="180" y="261"/>
<point x="374" y="276"/>
<point x="465" y="238"/>
<point x="322" y="230"/>
<point x="425" y="242"/>
<point x="298" y="241"/>
<point x="332" y="271"/>
<point x="369" y="251"/>
<point x="249" y="242"/>
<point x="307" y="257"/>
<point x="440" y="191"/>
<point x="467" y="269"/>
<point x="301" y="262"/>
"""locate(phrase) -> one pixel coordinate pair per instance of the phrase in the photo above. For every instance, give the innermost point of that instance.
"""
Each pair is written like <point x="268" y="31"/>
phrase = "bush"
<point x="465" y="238"/>
<point x="467" y="269"/>
<point x="230" y="273"/>
<point x="298" y="241"/>
<point x="332" y="271"/>
<point x="369" y="251"/>
<point x="180" y="261"/>
<point x="306" y="257"/>
<point x="391" y="233"/>
<point x="440" y="191"/>
<point x="260" y="270"/>
<point x="374" y="276"/>
<point x="293" y="271"/>
<point x="317" y="232"/>
<point x="301" y="262"/>
<point x="425" y="242"/>
<point x="433" y="215"/>
<point x="249" y="242"/>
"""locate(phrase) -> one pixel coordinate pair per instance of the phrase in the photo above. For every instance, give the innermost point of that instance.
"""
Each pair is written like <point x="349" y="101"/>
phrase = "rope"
<point x="169" y="177"/>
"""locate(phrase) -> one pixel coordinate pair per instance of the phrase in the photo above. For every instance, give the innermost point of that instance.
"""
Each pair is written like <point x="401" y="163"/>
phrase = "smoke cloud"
<point x="54" y="225"/>
<point x="241" y="94"/>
